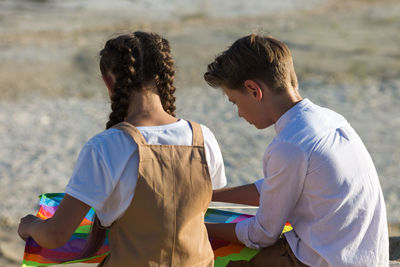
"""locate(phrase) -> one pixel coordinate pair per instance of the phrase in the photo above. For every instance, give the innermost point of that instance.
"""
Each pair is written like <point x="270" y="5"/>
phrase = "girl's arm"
<point x="57" y="230"/>
<point x="244" y="194"/>
<point x="224" y="231"/>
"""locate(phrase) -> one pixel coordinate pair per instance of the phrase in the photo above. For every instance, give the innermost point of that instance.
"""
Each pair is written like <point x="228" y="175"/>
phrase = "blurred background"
<point x="52" y="99"/>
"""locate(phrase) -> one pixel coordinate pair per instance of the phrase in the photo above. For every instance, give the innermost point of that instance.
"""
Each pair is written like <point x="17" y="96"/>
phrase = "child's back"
<point x="156" y="193"/>
<point x="334" y="181"/>
<point x="166" y="215"/>
<point x="117" y="149"/>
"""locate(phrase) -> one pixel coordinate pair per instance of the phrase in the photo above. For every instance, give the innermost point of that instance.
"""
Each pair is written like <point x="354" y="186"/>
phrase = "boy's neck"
<point x="287" y="102"/>
<point x="280" y="103"/>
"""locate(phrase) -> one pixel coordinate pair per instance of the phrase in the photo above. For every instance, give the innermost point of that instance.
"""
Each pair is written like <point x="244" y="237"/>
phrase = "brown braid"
<point x="165" y="86"/>
<point x="120" y="57"/>
<point x="158" y="61"/>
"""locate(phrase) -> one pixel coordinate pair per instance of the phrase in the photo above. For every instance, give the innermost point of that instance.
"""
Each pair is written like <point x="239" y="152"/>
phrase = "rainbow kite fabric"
<point x="224" y="251"/>
<point x="35" y="255"/>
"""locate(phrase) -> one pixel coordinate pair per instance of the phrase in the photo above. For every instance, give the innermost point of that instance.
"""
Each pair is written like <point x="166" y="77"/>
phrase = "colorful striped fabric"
<point x="35" y="255"/>
<point x="224" y="251"/>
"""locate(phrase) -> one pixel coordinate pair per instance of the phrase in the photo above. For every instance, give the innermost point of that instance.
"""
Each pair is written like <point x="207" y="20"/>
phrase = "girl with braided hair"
<point x="149" y="176"/>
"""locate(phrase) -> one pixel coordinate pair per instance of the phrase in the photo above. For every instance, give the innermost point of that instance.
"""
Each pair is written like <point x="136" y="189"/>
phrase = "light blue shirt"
<point x="319" y="176"/>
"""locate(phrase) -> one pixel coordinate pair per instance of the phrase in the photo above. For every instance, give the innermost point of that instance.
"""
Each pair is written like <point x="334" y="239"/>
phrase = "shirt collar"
<point x="290" y="114"/>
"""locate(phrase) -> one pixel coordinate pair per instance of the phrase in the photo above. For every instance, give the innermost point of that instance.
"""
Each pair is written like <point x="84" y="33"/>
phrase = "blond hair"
<point x="253" y="57"/>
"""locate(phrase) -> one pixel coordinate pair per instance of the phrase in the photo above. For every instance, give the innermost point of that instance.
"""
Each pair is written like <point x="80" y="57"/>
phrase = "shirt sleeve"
<point x="214" y="159"/>
<point x="285" y="167"/>
<point x="258" y="184"/>
<point x="90" y="181"/>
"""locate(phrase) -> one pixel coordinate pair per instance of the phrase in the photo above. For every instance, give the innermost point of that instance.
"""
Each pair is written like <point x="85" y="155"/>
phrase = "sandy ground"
<point x="52" y="100"/>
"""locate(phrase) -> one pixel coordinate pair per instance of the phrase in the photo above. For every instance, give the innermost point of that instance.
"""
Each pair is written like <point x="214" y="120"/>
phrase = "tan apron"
<point x="164" y="224"/>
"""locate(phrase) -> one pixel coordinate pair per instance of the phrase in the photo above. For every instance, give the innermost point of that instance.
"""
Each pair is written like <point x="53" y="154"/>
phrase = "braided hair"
<point x="135" y="60"/>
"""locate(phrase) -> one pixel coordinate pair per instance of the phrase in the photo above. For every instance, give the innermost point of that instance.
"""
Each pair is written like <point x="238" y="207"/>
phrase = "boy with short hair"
<point x="318" y="175"/>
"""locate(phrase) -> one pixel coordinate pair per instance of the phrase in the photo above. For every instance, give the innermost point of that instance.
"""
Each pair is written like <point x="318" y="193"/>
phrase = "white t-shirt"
<point x="105" y="174"/>
<point x="319" y="176"/>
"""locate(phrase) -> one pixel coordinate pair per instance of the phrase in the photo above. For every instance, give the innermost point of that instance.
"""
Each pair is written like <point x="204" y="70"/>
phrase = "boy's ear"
<point x="254" y="89"/>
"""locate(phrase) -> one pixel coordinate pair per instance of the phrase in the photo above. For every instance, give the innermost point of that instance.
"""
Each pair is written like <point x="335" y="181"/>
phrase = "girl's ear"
<point x="109" y="81"/>
<point x="254" y="89"/>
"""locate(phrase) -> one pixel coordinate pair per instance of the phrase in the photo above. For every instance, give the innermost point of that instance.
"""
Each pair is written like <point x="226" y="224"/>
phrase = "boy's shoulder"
<point x="308" y="124"/>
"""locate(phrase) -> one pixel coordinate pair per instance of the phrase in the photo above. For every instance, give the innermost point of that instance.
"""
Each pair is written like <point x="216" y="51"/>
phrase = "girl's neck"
<point x="145" y="109"/>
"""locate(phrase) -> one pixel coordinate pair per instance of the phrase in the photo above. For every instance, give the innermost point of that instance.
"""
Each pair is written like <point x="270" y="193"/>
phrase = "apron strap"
<point x="198" y="139"/>
<point x="132" y="131"/>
